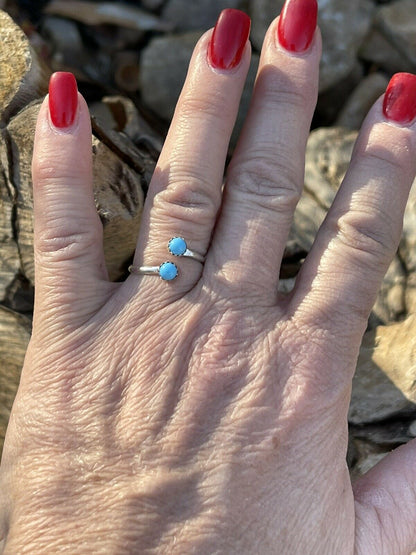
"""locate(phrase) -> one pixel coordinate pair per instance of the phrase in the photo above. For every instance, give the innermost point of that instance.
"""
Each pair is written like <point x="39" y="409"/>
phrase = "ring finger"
<point x="265" y="177"/>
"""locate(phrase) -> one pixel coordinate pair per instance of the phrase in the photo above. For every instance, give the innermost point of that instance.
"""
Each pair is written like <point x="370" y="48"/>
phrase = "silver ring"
<point x="178" y="247"/>
<point x="168" y="270"/>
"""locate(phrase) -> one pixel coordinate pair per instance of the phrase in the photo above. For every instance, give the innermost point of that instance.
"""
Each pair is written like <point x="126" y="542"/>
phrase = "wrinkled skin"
<point x="208" y="415"/>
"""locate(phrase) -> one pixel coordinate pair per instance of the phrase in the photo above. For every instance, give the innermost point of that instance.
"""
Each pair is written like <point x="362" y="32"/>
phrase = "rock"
<point x="262" y="13"/>
<point x="412" y="429"/>
<point x="65" y="39"/>
<point x="407" y="250"/>
<point x="163" y="69"/>
<point x="331" y="101"/>
<point x="397" y="22"/>
<point x="361" y="100"/>
<point x="198" y="14"/>
<point x="24" y="76"/>
<point x="328" y="154"/>
<point x="366" y="463"/>
<point x="14" y="337"/>
<point x="126" y="70"/>
<point x="10" y="261"/>
<point x="376" y="49"/>
<point x="344" y="25"/>
<point x="152" y="4"/>
<point x="384" y="434"/>
<point x="390" y="305"/>
<point x="384" y="383"/>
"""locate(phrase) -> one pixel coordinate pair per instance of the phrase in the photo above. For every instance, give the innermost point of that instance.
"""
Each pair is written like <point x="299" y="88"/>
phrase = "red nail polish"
<point x="400" y="98"/>
<point x="63" y="99"/>
<point x="229" y="39"/>
<point x="297" y="24"/>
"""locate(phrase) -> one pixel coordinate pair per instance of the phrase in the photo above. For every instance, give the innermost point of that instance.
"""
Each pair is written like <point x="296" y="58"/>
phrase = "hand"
<point x="209" y="414"/>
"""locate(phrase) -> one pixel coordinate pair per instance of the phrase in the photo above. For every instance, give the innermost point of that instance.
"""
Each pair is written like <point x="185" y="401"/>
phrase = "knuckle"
<point x="367" y="234"/>
<point x="269" y="180"/>
<point x="67" y="243"/>
<point x="187" y="202"/>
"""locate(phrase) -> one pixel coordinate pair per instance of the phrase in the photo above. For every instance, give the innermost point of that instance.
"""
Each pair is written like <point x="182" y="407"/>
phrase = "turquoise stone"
<point x="177" y="246"/>
<point x="168" y="271"/>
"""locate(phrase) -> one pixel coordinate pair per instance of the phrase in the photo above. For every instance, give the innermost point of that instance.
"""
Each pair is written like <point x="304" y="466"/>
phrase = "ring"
<point x="168" y="270"/>
<point x="178" y="247"/>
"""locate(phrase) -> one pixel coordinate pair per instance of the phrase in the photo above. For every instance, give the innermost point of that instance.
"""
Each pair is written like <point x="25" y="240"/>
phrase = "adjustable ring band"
<point x="168" y="270"/>
<point x="178" y="247"/>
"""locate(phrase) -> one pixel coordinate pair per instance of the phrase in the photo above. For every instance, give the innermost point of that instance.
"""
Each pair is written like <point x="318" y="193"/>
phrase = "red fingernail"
<point x="297" y="24"/>
<point x="229" y="39"/>
<point x="400" y="98"/>
<point x="63" y="99"/>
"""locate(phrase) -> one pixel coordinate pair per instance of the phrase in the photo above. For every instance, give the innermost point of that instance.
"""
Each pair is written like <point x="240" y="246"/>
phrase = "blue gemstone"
<point x="168" y="271"/>
<point x="177" y="246"/>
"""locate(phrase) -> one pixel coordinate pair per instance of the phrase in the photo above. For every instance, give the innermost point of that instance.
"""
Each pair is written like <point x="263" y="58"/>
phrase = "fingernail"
<point x="63" y="99"/>
<point x="400" y="98"/>
<point x="297" y="24"/>
<point x="229" y="39"/>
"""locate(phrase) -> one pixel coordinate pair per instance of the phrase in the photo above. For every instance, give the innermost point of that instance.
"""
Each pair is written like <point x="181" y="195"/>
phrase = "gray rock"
<point x="412" y="429"/>
<point x="384" y="433"/>
<point x="360" y="101"/>
<point x="163" y="70"/>
<point x="344" y="25"/>
<point x="198" y="14"/>
<point x="262" y="13"/>
<point x="65" y="37"/>
<point x="152" y="4"/>
<point x="378" y="50"/>
<point x="331" y="101"/>
<point x="397" y="22"/>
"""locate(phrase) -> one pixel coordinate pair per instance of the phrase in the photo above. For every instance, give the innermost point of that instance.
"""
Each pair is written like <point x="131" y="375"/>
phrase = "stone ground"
<point x="141" y="50"/>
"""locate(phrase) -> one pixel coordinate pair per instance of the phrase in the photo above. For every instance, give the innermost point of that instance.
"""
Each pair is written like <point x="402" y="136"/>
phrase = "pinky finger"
<point x="338" y="283"/>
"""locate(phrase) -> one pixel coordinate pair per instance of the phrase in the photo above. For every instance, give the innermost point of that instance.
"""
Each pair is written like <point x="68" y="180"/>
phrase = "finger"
<point x="385" y="504"/>
<point x="185" y="192"/>
<point x="266" y="174"/>
<point x="69" y="259"/>
<point x="338" y="283"/>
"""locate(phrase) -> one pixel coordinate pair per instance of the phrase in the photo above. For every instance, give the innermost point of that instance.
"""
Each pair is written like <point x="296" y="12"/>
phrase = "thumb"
<point x="385" y="501"/>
